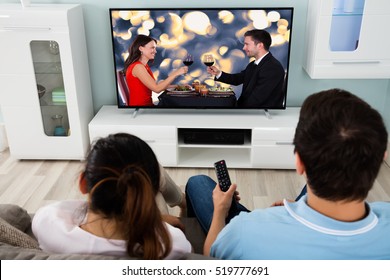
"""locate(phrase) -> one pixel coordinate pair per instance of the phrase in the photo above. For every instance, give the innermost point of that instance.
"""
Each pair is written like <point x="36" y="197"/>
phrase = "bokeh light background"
<point x="219" y="32"/>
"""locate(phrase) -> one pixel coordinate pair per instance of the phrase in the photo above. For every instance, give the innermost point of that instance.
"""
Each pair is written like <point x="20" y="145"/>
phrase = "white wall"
<point x="96" y="17"/>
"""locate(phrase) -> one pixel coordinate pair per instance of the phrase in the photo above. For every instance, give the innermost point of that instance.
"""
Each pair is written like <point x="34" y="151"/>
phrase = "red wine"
<point x="187" y="63"/>
<point x="209" y="63"/>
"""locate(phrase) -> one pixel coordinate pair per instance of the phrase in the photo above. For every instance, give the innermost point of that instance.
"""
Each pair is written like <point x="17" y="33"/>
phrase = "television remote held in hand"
<point x="222" y="175"/>
<point x="224" y="183"/>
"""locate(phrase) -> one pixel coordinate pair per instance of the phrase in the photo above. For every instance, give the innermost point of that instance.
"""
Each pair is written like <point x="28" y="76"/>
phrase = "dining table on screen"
<point x="192" y="100"/>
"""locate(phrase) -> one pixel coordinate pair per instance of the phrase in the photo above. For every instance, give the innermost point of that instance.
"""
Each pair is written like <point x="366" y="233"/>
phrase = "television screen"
<point x="214" y="33"/>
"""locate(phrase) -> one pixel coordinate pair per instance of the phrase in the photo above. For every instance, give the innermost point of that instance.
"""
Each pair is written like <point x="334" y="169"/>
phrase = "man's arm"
<point x="222" y="202"/>
<point x="232" y="79"/>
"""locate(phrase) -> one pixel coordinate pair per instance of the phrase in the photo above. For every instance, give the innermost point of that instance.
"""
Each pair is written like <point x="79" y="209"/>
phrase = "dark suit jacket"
<point x="263" y="84"/>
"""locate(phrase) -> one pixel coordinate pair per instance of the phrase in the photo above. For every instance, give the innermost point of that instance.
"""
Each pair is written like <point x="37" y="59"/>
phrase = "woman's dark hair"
<point x="260" y="36"/>
<point x="341" y="141"/>
<point x="134" y="52"/>
<point x="122" y="176"/>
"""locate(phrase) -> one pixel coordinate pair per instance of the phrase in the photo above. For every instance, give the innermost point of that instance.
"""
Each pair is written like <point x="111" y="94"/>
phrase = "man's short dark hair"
<point x="341" y="141"/>
<point x="260" y="36"/>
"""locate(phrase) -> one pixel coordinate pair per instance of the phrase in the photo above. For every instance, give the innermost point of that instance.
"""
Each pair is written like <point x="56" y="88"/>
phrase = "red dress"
<point x="140" y="95"/>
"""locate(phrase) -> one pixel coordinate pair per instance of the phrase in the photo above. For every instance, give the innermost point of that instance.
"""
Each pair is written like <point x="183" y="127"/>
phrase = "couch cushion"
<point x="9" y="252"/>
<point x="14" y="220"/>
<point x="15" y="216"/>
<point x="11" y="235"/>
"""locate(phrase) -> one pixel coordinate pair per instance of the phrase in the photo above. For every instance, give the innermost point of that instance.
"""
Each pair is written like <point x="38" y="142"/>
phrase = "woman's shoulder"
<point x="71" y="203"/>
<point x="64" y="208"/>
<point x="136" y="66"/>
<point x="65" y="213"/>
<point x="135" y="63"/>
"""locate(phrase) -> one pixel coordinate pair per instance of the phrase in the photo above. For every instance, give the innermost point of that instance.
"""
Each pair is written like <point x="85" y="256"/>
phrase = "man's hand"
<point x="223" y="200"/>
<point x="213" y="70"/>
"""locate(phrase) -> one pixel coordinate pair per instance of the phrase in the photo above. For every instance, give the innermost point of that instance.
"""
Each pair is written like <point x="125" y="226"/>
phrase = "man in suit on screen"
<point x="262" y="79"/>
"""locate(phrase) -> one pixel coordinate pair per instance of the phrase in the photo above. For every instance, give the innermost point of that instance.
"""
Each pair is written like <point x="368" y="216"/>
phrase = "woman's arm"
<point x="141" y="73"/>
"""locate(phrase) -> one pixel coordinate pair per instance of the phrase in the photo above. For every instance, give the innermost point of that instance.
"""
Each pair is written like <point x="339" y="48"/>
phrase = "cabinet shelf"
<point x="47" y="100"/>
<point x="246" y="145"/>
<point x="206" y="156"/>
<point x="48" y="68"/>
<point x="344" y="14"/>
<point x="202" y="146"/>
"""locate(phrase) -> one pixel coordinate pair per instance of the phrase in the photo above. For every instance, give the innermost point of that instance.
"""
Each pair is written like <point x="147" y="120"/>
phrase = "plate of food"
<point x="180" y="89"/>
<point x="223" y="90"/>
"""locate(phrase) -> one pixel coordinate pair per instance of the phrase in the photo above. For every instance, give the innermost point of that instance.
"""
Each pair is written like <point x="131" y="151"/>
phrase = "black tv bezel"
<point x="194" y="9"/>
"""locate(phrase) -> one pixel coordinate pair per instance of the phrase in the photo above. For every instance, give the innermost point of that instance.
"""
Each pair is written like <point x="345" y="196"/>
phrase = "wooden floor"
<point x="33" y="183"/>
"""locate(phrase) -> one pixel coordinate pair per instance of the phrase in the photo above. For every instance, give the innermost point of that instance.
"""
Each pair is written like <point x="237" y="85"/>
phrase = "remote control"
<point x="224" y="183"/>
<point x="222" y="175"/>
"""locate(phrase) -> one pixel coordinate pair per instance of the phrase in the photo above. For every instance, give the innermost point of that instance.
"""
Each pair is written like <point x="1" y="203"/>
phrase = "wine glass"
<point x="208" y="60"/>
<point x="188" y="60"/>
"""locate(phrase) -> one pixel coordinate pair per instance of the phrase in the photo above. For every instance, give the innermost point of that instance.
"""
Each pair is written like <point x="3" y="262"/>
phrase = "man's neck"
<point x="260" y="56"/>
<point x="345" y="211"/>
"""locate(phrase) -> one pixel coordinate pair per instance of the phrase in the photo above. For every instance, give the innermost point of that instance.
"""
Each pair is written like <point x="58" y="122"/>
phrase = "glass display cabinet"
<point x="345" y="39"/>
<point x="50" y="87"/>
<point x="45" y="93"/>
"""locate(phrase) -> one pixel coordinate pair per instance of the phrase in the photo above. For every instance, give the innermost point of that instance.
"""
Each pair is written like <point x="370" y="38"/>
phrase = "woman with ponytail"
<point x="121" y="216"/>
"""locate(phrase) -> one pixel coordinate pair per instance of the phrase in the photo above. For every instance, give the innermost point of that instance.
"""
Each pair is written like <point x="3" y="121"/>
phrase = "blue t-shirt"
<point x="296" y="231"/>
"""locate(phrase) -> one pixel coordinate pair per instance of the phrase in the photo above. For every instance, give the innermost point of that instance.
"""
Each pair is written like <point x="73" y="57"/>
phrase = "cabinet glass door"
<point x="346" y="24"/>
<point x="50" y="87"/>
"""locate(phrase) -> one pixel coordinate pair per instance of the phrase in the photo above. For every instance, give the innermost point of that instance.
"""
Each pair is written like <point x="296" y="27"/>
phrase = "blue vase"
<point x="59" y="131"/>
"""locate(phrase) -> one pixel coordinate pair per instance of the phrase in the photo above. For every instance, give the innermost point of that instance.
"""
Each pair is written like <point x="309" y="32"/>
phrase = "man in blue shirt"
<point x="340" y="143"/>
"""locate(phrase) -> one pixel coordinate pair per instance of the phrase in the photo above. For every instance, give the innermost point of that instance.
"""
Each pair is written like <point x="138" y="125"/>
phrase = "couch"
<point x="18" y="242"/>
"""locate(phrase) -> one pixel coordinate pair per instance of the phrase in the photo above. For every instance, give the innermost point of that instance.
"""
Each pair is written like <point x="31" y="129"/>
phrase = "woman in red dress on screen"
<point x="139" y="77"/>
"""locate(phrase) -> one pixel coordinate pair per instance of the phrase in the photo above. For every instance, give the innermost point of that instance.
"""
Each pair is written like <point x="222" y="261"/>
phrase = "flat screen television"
<point x="199" y="31"/>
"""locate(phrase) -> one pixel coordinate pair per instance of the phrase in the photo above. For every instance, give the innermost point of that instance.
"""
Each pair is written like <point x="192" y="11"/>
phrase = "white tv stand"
<point x="268" y="142"/>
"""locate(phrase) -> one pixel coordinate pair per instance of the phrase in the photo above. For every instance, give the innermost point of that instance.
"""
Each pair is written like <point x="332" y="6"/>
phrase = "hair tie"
<point x="129" y="169"/>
